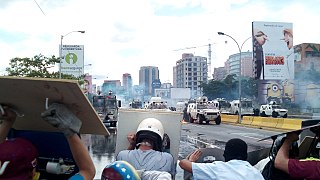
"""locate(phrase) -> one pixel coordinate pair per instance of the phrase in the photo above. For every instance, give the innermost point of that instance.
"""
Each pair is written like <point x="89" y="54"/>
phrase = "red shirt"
<point x="304" y="169"/>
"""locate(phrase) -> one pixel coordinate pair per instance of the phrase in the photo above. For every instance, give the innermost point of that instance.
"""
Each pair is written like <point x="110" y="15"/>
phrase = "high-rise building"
<point x="307" y="56"/>
<point x="127" y="83"/>
<point x="219" y="73"/>
<point x="246" y="64"/>
<point x="147" y="75"/>
<point x="110" y="85"/>
<point x="190" y="72"/>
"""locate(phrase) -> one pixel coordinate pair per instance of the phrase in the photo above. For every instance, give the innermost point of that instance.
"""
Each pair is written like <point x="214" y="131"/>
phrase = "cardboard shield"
<point x="29" y="96"/>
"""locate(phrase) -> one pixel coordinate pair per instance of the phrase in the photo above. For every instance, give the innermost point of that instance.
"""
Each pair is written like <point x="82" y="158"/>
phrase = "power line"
<point x="39" y="7"/>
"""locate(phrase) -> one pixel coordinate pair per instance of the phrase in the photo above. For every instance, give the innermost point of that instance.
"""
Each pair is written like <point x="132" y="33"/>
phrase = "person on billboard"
<point x="86" y="85"/>
<point x="259" y="39"/>
<point x="288" y="38"/>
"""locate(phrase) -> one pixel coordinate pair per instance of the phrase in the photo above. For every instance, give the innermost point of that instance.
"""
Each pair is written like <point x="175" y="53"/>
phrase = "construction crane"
<point x="209" y="55"/>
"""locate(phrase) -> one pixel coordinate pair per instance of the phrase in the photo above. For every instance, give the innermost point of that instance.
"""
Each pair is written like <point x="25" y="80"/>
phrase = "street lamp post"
<point x="83" y="74"/>
<point x="62" y="36"/>
<point x="240" y="50"/>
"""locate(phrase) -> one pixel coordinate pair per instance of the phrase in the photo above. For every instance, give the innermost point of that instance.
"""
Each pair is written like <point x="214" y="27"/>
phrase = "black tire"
<point x="190" y="119"/>
<point x="274" y="114"/>
<point x="199" y="119"/>
<point x="218" y="120"/>
<point x="285" y="116"/>
<point x="263" y="114"/>
<point x="256" y="112"/>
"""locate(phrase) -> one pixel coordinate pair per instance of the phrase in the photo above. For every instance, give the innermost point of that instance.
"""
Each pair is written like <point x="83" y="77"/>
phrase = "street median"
<point x="229" y="118"/>
<point x="265" y="122"/>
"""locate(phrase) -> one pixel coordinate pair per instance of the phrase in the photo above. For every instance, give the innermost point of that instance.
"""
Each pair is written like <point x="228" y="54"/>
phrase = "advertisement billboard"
<point x="273" y="52"/>
<point x="280" y="91"/>
<point x="73" y="59"/>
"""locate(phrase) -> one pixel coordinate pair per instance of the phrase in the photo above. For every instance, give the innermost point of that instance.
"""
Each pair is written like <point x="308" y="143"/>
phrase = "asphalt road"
<point x="193" y="136"/>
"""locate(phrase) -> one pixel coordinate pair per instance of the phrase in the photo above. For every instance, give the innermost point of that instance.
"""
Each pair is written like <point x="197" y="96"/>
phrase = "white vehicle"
<point x="223" y="105"/>
<point x="202" y="111"/>
<point x="135" y="104"/>
<point x="273" y="109"/>
<point x="246" y="107"/>
<point x="156" y="103"/>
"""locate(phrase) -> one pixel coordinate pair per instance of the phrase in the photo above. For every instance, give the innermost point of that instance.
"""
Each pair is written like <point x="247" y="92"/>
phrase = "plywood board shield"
<point x="28" y="96"/>
<point x="129" y="121"/>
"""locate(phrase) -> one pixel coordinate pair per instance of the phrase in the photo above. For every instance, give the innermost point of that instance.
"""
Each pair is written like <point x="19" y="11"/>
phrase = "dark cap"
<point x="235" y="149"/>
<point x="17" y="159"/>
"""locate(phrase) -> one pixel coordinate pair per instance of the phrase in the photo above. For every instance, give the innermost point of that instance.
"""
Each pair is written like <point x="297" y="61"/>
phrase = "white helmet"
<point x="153" y="125"/>
<point x="151" y="128"/>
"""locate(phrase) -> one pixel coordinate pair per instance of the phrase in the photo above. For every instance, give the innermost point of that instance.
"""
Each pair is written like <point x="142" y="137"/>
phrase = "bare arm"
<point x="132" y="141"/>
<point x="58" y="115"/>
<point x="186" y="164"/>
<point x="82" y="157"/>
<point x="282" y="158"/>
<point x="8" y="118"/>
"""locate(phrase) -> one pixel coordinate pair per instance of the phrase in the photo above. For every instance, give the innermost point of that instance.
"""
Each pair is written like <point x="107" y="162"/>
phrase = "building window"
<point x="194" y="73"/>
<point x="189" y="69"/>
<point x="312" y="54"/>
<point x="194" y="78"/>
<point x="194" y="83"/>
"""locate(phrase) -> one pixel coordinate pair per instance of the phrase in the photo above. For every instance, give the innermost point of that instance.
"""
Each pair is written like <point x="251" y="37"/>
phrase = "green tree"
<point x="249" y="88"/>
<point x="38" y="66"/>
<point x="229" y="88"/>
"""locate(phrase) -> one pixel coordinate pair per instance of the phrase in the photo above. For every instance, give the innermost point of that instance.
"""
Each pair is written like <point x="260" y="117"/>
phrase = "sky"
<point x="121" y="36"/>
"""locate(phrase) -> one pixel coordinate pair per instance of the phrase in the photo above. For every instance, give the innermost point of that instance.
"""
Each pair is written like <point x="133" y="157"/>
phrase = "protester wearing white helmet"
<point x="145" y="151"/>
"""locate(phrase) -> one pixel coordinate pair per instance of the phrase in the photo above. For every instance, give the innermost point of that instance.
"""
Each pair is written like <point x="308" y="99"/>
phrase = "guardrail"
<point x="265" y="122"/>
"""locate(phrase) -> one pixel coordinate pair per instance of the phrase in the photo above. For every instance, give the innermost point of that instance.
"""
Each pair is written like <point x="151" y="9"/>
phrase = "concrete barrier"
<point x="247" y="120"/>
<point x="292" y="124"/>
<point x="229" y="118"/>
<point x="257" y="121"/>
<point x="269" y="122"/>
<point x="280" y="123"/>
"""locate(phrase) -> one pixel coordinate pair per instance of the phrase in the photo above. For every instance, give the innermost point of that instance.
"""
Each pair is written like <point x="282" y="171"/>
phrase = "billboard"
<point x="72" y="59"/>
<point x="273" y="52"/>
<point x="87" y="84"/>
<point x="280" y="91"/>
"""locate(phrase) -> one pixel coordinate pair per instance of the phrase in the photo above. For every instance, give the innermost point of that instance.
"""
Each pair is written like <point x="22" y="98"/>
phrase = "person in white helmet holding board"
<point x="146" y="150"/>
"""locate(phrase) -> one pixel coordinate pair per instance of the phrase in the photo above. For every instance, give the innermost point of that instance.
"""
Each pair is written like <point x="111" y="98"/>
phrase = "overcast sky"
<point x="123" y="35"/>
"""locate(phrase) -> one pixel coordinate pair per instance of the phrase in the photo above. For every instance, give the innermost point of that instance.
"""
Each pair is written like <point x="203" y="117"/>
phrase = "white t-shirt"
<point x="231" y="170"/>
<point x="149" y="160"/>
<point x="156" y="175"/>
